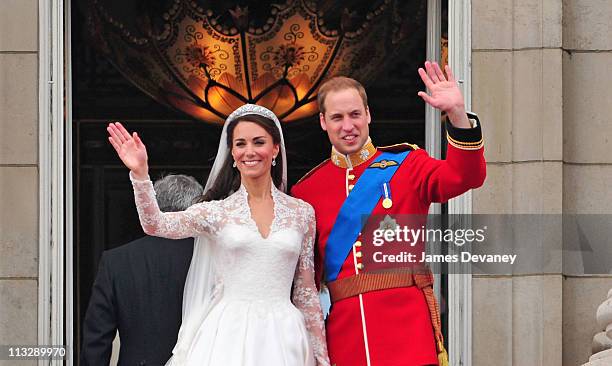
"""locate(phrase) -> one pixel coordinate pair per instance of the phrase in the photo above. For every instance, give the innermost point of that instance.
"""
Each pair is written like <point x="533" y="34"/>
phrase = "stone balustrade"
<point x="602" y="342"/>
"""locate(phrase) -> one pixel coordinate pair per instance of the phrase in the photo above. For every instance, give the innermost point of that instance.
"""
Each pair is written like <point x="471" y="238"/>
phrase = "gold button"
<point x="351" y="186"/>
<point x="351" y="177"/>
<point x="358" y="254"/>
<point x="357" y="243"/>
<point x="360" y="266"/>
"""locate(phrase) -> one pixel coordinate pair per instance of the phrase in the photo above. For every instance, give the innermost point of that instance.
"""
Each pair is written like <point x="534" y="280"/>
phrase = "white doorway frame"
<point x="56" y="273"/>
<point x="459" y="301"/>
<point x="460" y="285"/>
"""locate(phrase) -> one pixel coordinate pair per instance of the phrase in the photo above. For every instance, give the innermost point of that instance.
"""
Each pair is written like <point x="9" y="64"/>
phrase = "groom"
<point x="383" y="318"/>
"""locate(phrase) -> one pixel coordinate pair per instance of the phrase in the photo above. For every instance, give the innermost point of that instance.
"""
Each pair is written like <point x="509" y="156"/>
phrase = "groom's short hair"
<point x="338" y="83"/>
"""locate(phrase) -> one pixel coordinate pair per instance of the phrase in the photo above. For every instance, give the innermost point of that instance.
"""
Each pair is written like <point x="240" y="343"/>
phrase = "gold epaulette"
<point x="311" y="171"/>
<point x="399" y="147"/>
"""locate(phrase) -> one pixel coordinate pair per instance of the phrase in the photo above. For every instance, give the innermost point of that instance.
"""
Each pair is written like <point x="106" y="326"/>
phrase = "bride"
<point x="252" y="243"/>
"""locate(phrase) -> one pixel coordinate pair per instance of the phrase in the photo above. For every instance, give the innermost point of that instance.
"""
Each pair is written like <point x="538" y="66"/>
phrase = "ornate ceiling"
<point x="206" y="60"/>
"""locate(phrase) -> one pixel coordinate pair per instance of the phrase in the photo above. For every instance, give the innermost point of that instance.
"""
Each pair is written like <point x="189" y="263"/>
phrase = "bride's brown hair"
<point x="228" y="180"/>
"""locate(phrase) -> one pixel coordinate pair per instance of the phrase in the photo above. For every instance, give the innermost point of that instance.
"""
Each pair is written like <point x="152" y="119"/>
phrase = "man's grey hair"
<point x="176" y="192"/>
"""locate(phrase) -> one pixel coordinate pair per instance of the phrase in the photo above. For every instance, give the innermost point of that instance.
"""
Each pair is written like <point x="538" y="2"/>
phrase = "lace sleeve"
<point x="196" y="220"/>
<point x="305" y="295"/>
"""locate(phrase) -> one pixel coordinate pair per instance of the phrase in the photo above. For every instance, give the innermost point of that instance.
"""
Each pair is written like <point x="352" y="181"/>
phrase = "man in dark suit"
<point x="139" y="290"/>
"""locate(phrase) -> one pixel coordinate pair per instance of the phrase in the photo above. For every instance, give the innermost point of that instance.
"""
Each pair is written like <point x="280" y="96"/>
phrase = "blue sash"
<point x="360" y="202"/>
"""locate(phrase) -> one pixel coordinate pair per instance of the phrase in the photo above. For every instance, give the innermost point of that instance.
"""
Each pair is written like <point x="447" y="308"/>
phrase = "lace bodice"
<point x="250" y="267"/>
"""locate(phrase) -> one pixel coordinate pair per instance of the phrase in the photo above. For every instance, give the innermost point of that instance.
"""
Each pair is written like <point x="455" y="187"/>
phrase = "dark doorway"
<point x="105" y="212"/>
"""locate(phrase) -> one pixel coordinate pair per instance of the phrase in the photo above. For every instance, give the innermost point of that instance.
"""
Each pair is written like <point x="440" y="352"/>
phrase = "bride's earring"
<point x="274" y="161"/>
<point x="234" y="164"/>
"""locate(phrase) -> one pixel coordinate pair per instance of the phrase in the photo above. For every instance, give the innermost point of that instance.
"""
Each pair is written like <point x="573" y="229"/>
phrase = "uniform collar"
<point x="355" y="159"/>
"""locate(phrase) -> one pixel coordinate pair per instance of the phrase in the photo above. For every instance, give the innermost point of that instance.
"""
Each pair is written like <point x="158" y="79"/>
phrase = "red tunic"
<point x="397" y="321"/>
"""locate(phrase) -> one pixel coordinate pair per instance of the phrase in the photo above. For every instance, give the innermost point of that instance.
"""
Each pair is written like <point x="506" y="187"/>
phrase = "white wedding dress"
<point x="255" y="318"/>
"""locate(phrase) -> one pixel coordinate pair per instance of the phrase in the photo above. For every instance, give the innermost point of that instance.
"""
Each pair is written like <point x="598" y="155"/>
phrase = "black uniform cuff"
<point x="465" y="138"/>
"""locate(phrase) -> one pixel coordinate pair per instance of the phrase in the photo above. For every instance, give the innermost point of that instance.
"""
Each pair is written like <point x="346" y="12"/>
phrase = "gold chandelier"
<point x="208" y="63"/>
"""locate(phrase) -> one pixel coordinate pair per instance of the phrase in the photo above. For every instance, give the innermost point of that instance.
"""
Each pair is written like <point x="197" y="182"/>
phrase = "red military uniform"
<point x="390" y="327"/>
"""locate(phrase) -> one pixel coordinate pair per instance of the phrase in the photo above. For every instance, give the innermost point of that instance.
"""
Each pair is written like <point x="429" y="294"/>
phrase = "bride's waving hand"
<point x="130" y="149"/>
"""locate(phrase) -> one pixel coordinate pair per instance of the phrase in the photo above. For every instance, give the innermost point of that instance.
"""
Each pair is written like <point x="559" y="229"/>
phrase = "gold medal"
<point x="387" y="203"/>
